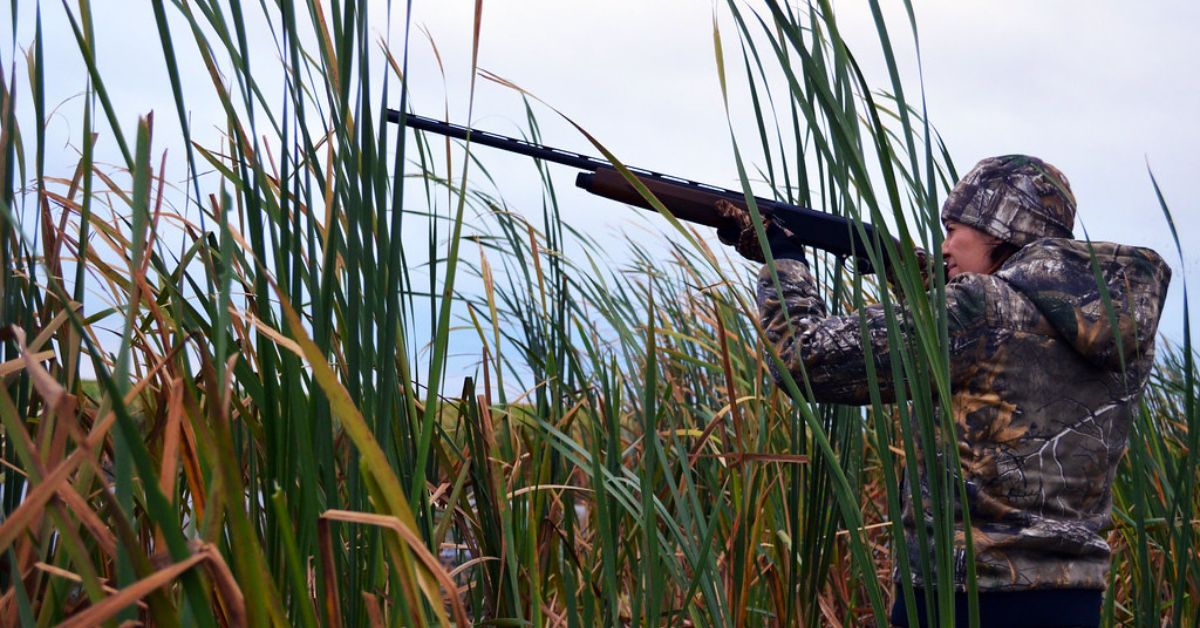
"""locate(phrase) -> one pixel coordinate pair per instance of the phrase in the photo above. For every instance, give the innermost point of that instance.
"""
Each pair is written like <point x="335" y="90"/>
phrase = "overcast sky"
<point x="1098" y="88"/>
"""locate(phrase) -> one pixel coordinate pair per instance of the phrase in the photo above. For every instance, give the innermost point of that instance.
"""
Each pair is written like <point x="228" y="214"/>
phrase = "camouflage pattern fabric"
<point x="1016" y="198"/>
<point x="1045" y="383"/>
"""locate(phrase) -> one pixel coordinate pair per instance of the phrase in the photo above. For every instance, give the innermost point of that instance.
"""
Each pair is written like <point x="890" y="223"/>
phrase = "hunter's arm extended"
<point x="831" y="349"/>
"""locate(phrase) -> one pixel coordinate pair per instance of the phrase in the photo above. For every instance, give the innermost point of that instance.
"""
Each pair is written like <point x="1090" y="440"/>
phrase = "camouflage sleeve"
<point x="830" y="349"/>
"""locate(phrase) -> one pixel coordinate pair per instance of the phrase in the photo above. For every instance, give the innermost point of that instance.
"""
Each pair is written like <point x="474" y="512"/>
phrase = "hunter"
<point x="1044" y="388"/>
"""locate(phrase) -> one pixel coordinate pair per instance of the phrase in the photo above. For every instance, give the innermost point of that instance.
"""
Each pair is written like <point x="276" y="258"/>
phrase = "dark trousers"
<point x="1058" y="608"/>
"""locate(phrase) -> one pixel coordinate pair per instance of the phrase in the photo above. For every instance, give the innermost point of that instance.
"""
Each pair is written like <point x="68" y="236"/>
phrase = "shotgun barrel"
<point x="688" y="200"/>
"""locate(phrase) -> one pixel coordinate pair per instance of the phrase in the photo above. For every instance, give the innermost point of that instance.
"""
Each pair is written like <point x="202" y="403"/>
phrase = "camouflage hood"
<point x="1059" y="277"/>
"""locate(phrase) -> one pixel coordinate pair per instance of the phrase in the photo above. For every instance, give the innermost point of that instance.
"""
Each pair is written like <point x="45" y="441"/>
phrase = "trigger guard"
<point x="855" y="264"/>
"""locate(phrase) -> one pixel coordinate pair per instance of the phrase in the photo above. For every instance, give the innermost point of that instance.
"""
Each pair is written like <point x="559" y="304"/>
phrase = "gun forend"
<point x="827" y="232"/>
<point x="686" y="203"/>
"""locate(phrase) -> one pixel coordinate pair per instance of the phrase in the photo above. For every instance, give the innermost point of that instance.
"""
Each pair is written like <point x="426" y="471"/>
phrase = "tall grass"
<point x="237" y="408"/>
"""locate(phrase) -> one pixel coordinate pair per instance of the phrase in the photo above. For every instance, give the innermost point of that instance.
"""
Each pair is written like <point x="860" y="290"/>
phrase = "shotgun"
<point x="691" y="201"/>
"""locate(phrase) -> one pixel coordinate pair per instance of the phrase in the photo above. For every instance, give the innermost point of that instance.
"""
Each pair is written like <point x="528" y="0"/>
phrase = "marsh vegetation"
<point x="227" y="401"/>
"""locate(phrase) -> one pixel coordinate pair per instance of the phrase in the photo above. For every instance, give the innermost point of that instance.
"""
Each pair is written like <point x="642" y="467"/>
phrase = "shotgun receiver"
<point x="688" y="200"/>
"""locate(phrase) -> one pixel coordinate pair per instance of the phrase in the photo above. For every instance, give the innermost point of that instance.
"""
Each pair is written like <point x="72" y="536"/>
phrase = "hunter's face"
<point x="967" y="250"/>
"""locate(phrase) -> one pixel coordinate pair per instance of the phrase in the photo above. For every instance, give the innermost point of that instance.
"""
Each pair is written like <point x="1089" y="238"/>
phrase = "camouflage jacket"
<point x="1043" y="395"/>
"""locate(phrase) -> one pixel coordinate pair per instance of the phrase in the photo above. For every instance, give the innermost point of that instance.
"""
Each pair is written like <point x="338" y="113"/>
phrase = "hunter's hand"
<point x="742" y="237"/>
<point x="924" y="264"/>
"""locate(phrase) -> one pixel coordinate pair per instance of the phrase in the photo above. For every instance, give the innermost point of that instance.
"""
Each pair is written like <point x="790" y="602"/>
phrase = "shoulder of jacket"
<point x="789" y="272"/>
<point x="973" y="299"/>
<point x="1056" y="252"/>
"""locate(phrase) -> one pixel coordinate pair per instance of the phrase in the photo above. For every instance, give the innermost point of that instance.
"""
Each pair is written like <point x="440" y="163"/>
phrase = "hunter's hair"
<point x="1001" y="252"/>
